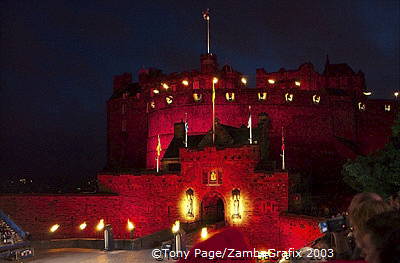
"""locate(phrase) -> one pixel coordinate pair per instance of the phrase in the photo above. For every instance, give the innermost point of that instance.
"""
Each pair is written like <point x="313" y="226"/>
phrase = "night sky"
<point x="58" y="59"/>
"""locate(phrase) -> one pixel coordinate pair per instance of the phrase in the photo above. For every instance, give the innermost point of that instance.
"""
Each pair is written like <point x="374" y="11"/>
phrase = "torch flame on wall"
<point x="100" y="225"/>
<point x="204" y="233"/>
<point x="130" y="225"/>
<point x="82" y="226"/>
<point x="175" y="227"/>
<point x="54" y="228"/>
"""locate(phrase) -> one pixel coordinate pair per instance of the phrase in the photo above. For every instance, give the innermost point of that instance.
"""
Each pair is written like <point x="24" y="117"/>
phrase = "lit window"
<point x="361" y="106"/>
<point x="262" y="96"/>
<point x="213" y="176"/>
<point x="156" y="91"/>
<point x="387" y="107"/>
<point x="197" y="97"/>
<point x="316" y="99"/>
<point x="169" y="99"/>
<point x="185" y="82"/>
<point x="297" y="83"/>
<point x="289" y="97"/>
<point x="152" y="104"/>
<point x="271" y="81"/>
<point x="123" y="108"/>
<point x="243" y="80"/>
<point x="230" y="96"/>
<point x="123" y="126"/>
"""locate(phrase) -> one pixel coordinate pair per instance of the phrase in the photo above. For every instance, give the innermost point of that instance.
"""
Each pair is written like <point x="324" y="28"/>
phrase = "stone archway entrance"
<point x="212" y="209"/>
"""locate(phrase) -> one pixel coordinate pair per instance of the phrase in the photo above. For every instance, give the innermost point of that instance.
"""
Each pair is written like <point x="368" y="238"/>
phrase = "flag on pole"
<point x="249" y="124"/>
<point x="186" y="130"/>
<point x="206" y="14"/>
<point x="158" y="150"/>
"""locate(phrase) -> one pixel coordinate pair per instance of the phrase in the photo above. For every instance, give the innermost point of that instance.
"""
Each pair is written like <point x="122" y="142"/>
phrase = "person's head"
<point x="381" y="241"/>
<point x="362" y="213"/>
<point x="360" y="198"/>
<point x="394" y="201"/>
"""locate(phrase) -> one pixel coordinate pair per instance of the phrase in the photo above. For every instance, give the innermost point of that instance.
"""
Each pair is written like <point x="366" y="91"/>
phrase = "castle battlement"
<point x="313" y="108"/>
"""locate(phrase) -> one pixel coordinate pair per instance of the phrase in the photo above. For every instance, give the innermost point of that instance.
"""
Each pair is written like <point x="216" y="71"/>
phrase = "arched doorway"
<point x="212" y="209"/>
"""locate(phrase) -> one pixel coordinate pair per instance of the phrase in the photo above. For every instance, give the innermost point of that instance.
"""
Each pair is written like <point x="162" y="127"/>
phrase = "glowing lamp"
<point x="262" y="96"/>
<point x="169" y="99"/>
<point x="387" y="107"/>
<point x="152" y="104"/>
<point x="271" y="81"/>
<point x="243" y="80"/>
<point x="297" y="83"/>
<point x="156" y="91"/>
<point x="316" y="99"/>
<point x="289" y="97"/>
<point x="82" y="226"/>
<point x="54" y="228"/>
<point x="100" y="225"/>
<point x="367" y="93"/>
<point x="197" y="97"/>
<point x="230" y="96"/>
<point x="189" y="200"/>
<point x="204" y="233"/>
<point x="236" y="199"/>
<point x="396" y="94"/>
<point x="176" y="226"/>
<point x="165" y="85"/>
<point x="215" y="80"/>
<point x="130" y="225"/>
<point x="361" y="106"/>
<point x="185" y="82"/>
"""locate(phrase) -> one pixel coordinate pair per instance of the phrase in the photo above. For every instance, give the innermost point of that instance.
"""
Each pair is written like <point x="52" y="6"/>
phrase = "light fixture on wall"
<point x="100" y="225"/>
<point x="169" y="99"/>
<point x="361" y="106"/>
<point x="262" y="96"/>
<point x="185" y="82"/>
<point x="387" y="107"/>
<point x="131" y="228"/>
<point x="289" y="97"/>
<point x="189" y="202"/>
<point x="271" y="81"/>
<point x="243" y="80"/>
<point x="83" y="226"/>
<point x="54" y="228"/>
<point x="230" y="96"/>
<point x="165" y="85"/>
<point x="197" y="97"/>
<point x="236" y="204"/>
<point x="316" y="99"/>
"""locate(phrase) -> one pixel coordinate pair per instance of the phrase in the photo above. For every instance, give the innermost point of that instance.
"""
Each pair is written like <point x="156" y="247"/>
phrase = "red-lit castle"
<point x="325" y="118"/>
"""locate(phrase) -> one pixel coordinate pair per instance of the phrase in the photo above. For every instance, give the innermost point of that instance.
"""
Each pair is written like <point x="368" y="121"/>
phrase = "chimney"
<point x="208" y="63"/>
<point x="179" y="130"/>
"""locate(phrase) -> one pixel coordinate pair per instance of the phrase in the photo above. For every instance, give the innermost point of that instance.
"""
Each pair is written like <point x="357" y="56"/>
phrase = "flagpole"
<point x="206" y="16"/>
<point x="214" y="81"/>
<point x="283" y="150"/>
<point x="249" y="125"/>
<point x="186" y="130"/>
<point x="158" y="149"/>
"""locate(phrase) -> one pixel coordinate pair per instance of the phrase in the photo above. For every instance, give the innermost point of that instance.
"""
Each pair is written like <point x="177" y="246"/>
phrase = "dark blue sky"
<point x="58" y="59"/>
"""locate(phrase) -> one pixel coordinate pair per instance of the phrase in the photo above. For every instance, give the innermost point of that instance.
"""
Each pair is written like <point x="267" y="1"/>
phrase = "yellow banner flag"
<point x="158" y="148"/>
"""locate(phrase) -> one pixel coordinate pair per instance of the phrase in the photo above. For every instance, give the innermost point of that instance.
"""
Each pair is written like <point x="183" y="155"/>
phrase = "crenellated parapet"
<point x="314" y="108"/>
